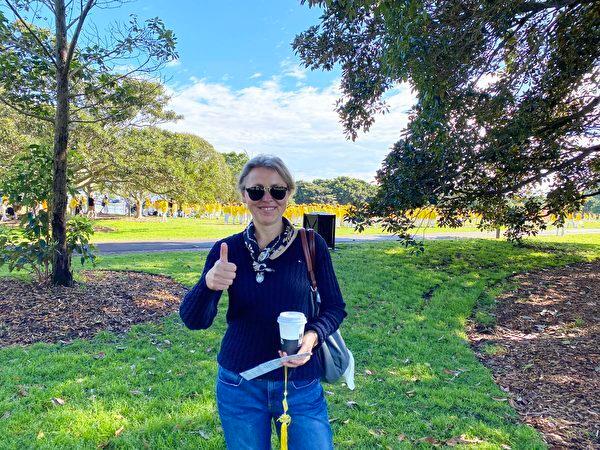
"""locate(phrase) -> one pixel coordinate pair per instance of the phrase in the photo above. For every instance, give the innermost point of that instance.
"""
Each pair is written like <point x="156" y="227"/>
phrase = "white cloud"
<point x="173" y="63"/>
<point x="298" y="125"/>
<point x="256" y="75"/>
<point x="292" y="69"/>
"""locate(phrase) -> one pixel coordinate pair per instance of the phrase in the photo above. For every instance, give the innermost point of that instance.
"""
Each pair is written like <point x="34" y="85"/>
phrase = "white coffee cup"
<point x="291" y="331"/>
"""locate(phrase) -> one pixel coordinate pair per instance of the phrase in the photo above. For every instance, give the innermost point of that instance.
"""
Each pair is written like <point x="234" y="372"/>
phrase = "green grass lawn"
<point x="153" y="229"/>
<point x="154" y="387"/>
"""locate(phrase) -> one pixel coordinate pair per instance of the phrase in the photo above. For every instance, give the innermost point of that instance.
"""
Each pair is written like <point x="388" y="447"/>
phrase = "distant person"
<point x="11" y="214"/>
<point x="264" y="272"/>
<point x="73" y="205"/>
<point x="104" y="209"/>
<point x="91" y="212"/>
<point x="79" y="207"/>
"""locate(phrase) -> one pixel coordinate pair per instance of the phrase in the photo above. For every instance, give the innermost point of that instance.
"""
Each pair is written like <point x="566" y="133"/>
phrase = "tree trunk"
<point x="61" y="262"/>
<point x="138" y="208"/>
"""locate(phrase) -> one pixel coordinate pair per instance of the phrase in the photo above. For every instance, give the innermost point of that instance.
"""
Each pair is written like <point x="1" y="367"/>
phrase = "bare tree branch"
<point x="82" y="17"/>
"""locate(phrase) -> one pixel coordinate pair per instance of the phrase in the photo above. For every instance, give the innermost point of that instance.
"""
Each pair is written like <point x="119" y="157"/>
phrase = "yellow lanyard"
<point x="285" y="418"/>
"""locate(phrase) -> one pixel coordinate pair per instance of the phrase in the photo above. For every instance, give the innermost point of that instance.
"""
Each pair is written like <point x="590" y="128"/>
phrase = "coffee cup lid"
<point x="291" y="317"/>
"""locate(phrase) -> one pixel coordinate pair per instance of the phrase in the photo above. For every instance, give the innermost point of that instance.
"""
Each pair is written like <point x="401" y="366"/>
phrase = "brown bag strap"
<point x="308" y="246"/>
<point x="312" y="247"/>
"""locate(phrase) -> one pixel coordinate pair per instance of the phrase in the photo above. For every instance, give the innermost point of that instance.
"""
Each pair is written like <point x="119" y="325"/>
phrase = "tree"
<point x="506" y="122"/>
<point x="351" y="191"/>
<point x="69" y="75"/>
<point x="96" y="151"/>
<point x="313" y="192"/>
<point x="342" y="190"/>
<point x="17" y="132"/>
<point x="592" y="205"/>
<point x="177" y="166"/>
<point x="236" y="162"/>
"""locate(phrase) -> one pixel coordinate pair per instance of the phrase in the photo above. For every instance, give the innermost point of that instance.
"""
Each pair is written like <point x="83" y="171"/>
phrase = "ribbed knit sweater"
<point x="252" y="335"/>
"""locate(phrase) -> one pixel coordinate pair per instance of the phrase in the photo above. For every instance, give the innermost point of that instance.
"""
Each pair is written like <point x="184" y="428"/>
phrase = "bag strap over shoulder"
<point x="308" y="246"/>
<point x="312" y="245"/>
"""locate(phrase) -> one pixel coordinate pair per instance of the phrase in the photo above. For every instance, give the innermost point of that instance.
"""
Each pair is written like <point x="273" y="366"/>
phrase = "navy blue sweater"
<point x="252" y="335"/>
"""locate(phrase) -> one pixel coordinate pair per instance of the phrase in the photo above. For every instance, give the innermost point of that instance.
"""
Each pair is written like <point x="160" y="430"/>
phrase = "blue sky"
<point x="239" y="85"/>
<point x="235" y="41"/>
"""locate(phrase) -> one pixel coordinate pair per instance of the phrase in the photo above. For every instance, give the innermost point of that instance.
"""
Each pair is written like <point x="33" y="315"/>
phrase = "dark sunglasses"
<point x="257" y="192"/>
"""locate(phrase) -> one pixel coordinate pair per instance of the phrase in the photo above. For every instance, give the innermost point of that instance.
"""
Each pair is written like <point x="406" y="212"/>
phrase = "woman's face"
<point x="266" y="211"/>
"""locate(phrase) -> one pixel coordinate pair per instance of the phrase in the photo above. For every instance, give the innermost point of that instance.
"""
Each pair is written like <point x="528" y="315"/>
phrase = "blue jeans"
<point x="247" y="408"/>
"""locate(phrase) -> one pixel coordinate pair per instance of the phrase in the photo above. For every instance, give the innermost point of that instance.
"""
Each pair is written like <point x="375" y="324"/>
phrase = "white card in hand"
<point x="268" y="366"/>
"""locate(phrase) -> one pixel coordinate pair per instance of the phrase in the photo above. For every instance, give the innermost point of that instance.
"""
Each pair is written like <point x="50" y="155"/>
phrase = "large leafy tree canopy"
<point x="341" y="190"/>
<point x="129" y="161"/>
<point x="16" y="133"/>
<point x="236" y="162"/>
<point x="506" y="122"/>
<point x="107" y="81"/>
<point x="178" y="166"/>
<point x="96" y="152"/>
<point x="593" y="205"/>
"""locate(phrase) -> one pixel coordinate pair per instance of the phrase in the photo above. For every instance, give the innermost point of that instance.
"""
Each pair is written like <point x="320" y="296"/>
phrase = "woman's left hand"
<point x="309" y="341"/>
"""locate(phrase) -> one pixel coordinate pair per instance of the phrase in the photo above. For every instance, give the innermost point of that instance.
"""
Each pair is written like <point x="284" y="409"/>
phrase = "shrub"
<point x="30" y="247"/>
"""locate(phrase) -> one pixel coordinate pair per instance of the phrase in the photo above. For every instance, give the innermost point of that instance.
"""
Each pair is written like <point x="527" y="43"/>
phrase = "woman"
<point x="264" y="271"/>
<point x="104" y="205"/>
<point x="91" y="201"/>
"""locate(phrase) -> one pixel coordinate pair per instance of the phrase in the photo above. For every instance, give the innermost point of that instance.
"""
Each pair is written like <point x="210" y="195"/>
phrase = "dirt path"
<point x="545" y="352"/>
<point x="204" y="244"/>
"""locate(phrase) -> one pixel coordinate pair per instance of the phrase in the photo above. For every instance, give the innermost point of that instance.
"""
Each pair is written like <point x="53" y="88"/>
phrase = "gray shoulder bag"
<point x="336" y="359"/>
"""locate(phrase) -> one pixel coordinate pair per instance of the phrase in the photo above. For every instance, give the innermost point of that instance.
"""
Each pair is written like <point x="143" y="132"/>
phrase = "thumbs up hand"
<point x="222" y="274"/>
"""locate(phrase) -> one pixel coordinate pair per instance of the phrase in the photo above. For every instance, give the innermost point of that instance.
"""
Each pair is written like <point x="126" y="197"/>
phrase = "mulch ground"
<point x="104" y="300"/>
<point x="546" y="353"/>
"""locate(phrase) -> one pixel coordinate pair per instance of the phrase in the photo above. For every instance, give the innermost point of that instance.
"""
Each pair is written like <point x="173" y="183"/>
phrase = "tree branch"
<point x="113" y="80"/>
<point x="591" y="194"/>
<point x="511" y="33"/>
<point x="35" y="36"/>
<point x="555" y="4"/>
<point x="72" y="22"/>
<point x="584" y="153"/>
<point x="26" y="113"/>
<point x="566" y="119"/>
<point x="82" y="17"/>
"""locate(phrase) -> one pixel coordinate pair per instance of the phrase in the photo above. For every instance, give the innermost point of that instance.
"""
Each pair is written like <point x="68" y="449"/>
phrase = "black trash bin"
<point x="324" y="224"/>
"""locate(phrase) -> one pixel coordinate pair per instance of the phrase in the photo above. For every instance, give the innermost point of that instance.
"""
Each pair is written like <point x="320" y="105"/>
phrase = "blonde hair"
<point x="270" y="162"/>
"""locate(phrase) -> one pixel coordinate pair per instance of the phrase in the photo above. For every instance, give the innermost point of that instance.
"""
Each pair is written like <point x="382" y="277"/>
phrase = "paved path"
<point x="204" y="244"/>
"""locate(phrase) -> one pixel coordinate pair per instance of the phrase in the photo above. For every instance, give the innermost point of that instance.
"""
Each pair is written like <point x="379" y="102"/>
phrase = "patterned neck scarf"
<point x="275" y="248"/>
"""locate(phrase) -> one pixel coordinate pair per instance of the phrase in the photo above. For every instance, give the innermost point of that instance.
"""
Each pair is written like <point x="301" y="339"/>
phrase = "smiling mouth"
<point x="267" y="208"/>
